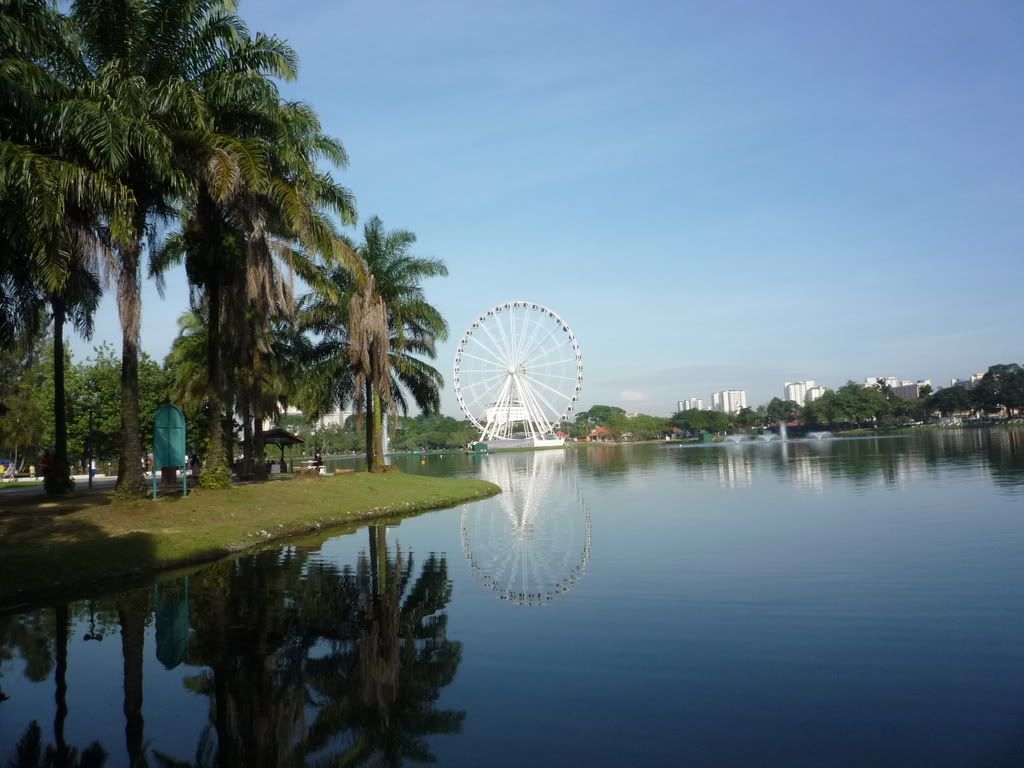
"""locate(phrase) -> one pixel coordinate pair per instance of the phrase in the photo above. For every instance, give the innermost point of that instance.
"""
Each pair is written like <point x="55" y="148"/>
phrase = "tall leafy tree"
<point x="1002" y="386"/>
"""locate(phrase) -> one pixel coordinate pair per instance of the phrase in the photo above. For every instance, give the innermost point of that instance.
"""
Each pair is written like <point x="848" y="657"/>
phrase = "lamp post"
<point x="92" y="634"/>
<point x="88" y="451"/>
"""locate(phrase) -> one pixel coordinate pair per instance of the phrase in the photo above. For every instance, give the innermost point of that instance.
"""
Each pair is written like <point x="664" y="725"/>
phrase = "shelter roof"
<point x="278" y="436"/>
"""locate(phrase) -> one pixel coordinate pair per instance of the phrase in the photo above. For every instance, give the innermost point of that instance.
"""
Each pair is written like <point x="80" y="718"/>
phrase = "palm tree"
<point x="58" y="207"/>
<point x="270" y="380"/>
<point x="159" y="70"/>
<point x="242" y="250"/>
<point x="187" y="362"/>
<point x="374" y="333"/>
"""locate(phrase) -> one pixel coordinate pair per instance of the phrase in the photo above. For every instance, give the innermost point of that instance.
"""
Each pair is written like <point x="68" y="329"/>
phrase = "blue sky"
<point x="713" y="195"/>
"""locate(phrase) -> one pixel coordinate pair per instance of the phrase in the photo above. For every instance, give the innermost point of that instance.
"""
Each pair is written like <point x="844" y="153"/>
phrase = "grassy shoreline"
<point x="48" y="547"/>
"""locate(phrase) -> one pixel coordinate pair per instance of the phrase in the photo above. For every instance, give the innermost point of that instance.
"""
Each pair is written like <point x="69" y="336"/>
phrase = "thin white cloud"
<point x="632" y="396"/>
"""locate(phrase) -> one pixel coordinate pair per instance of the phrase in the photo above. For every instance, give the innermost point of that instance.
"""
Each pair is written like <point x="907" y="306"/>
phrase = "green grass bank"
<point x="60" y="547"/>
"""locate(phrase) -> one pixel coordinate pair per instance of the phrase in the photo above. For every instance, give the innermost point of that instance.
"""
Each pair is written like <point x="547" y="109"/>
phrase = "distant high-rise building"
<point x="690" y="404"/>
<point x="813" y="393"/>
<point x="728" y="400"/>
<point x="968" y="383"/>
<point x="905" y="390"/>
<point x="909" y="390"/>
<point x="335" y="418"/>
<point x="797" y="391"/>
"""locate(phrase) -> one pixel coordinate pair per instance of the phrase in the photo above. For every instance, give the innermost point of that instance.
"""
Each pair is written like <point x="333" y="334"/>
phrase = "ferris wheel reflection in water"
<point x="532" y="543"/>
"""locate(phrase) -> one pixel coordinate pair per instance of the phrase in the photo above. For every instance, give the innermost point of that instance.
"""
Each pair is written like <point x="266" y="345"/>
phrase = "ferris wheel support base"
<point x="525" y="443"/>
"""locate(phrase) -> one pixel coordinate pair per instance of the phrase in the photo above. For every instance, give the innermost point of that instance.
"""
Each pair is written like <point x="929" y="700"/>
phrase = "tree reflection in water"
<point x="30" y="752"/>
<point x="363" y="648"/>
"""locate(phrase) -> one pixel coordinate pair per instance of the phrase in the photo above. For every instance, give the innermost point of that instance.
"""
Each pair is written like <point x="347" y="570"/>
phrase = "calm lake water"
<point x="843" y="602"/>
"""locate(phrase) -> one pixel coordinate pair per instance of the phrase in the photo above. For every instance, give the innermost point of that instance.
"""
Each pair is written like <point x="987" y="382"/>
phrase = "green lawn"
<point x="6" y="486"/>
<point x="50" y="546"/>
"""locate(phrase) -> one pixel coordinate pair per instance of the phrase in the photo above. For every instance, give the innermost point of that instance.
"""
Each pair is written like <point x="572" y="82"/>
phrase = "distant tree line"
<point x="852" y="405"/>
<point x="92" y="396"/>
<point x="425" y="431"/>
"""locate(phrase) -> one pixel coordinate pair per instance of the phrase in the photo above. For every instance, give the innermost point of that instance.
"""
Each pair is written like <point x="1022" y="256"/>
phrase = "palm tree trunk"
<point x="131" y="613"/>
<point x="368" y="426"/>
<point x="374" y="436"/>
<point x="60" y="677"/>
<point x="58" y="479"/>
<point x="259" y="457"/>
<point x="247" y="448"/>
<point x="378" y="558"/>
<point x="378" y="433"/>
<point x="130" y="480"/>
<point x="215" y="473"/>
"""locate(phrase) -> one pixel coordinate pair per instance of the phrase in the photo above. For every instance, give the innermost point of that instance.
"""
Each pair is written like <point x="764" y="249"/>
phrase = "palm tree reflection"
<point x="363" y="650"/>
<point x="379" y="685"/>
<point x="30" y="752"/>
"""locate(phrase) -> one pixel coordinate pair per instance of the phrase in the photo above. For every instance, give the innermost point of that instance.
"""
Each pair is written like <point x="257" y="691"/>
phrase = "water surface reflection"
<point x="534" y="544"/>
<point x="298" y="658"/>
<point x="846" y="602"/>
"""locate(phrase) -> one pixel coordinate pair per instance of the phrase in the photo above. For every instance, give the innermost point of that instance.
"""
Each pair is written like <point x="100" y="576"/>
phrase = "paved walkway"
<point x="12" y="490"/>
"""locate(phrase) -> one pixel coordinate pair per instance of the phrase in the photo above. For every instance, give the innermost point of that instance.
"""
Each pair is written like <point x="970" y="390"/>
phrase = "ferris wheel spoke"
<point x="515" y="337"/>
<point x="495" y="363"/>
<point x="544" y="341"/>
<point x="558" y="376"/>
<point x="539" y="329"/>
<point x="464" y="371"/>
<point x="492" y="416"/>
<point x="538" y="411"/>
<point x="530" y="337"/>
<point x="497" y="344"/>
<point x="536" y="418"/>
<point x="500" y="338"/>
<point x="492" y="374"/>
<point x="549" y="364"/>
<point x="495" y="355"/>
<point x="491" y="382"/>
<point x="480" y="391"/>
<point x="547" y="422"/>
<point x="508" y="342"/>
<point x="567" y="398"/>
<point x="507" y="328"/>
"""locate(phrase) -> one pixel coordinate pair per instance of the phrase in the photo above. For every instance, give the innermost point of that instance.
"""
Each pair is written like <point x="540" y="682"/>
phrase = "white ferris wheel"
<point x="518" y="374"/>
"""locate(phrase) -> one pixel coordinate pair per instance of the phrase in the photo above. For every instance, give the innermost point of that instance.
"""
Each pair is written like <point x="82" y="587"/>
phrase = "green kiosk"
<point x="169" y="444"/>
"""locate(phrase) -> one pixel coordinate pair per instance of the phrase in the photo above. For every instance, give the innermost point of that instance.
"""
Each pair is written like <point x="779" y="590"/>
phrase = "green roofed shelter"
<point x="281" y="438"/>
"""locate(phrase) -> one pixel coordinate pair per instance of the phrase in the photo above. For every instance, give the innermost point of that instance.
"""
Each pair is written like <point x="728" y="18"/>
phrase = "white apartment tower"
<point x="690" y="404"/>
<point x="797" y="391"/>
<point x="813" y="393"/>
<point x="729" y="400"/>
